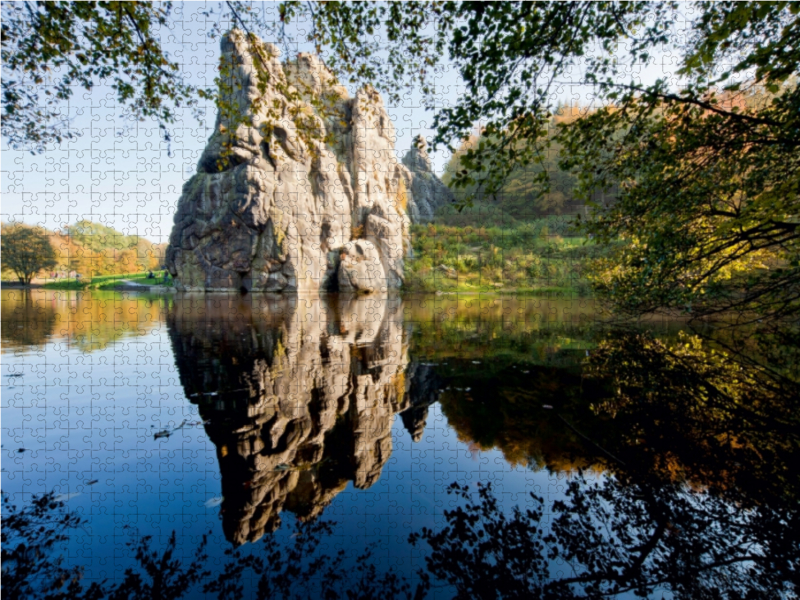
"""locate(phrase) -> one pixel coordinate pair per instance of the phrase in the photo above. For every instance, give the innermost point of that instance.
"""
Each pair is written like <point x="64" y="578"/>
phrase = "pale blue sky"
<point x="122" y="175"/>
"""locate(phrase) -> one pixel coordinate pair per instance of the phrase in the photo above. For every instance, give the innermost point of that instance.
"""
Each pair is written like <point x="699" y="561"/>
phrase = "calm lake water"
<point x="299" y="429"/>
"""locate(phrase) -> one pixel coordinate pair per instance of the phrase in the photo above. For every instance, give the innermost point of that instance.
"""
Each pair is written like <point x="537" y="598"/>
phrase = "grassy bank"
<point x="105" y="282"/>
<point x="537" y="257"/>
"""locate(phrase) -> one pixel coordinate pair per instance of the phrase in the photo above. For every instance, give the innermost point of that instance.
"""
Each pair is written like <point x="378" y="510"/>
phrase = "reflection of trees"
<point x="678" y="410"/>
<point x="604" y="539"/>
<point x="690" y="411"/>
<point x="520" y="411"/>
<point x="299" y="394"/>
<point x="31" y="535"/>
<point x="700" y="448"/>
<point x="480" y="327"/>
<point x="697" y="497"/>
<point x="609" y="538"/>
<point x="89" y="320"/>
<point x="303" y="568"/>
<point x="27" y="321"/>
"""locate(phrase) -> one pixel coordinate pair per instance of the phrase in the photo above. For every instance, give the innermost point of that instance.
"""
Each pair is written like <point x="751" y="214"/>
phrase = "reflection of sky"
<point x="92" y="416"/>
<point x="124" y="175"/>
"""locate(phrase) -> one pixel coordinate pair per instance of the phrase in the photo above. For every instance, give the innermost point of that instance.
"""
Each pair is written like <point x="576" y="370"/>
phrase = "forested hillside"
<point x="525" y="237"/>
<point x="520" y="239"/>
<point x="94" y="249"/>
<point x="90" y="250"/>
<point x="529" y="192"/>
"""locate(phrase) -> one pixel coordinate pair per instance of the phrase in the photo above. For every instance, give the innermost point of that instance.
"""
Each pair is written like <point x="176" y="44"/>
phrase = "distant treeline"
<point x="91" y="249"/>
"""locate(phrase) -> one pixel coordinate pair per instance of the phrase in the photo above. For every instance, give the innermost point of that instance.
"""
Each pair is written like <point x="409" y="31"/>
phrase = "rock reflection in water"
<point x="299" y="395"/>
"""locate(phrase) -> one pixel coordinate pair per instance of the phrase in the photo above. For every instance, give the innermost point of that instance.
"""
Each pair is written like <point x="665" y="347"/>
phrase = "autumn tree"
<point x="528" y="191"/>
<point x="127" y="261"/>
<point x="26" y="251"/>
<point x="148" y="255"/>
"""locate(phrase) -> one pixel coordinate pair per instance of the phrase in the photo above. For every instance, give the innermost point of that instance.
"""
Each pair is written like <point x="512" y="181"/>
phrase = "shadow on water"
<point x="677" y="455"/>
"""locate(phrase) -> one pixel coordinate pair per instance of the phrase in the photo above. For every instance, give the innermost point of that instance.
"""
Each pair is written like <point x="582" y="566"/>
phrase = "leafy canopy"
<point x="53" y="49"/>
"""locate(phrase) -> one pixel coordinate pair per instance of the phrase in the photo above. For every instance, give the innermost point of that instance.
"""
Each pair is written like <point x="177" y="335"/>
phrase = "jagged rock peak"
<point x="417" y="158"/>
<point x="427" y="192"/>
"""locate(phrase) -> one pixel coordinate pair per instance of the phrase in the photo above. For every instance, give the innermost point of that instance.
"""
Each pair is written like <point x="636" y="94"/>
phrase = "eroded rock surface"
<point x="427" y="192"/>
<point x="298" y="396"/>
<point x="295" y="170"/>
<point x="360" y="268"/>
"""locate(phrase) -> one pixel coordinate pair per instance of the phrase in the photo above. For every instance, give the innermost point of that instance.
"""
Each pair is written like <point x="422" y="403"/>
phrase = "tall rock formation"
<point x="427" y="192"/>
<point x="298" y="188"/>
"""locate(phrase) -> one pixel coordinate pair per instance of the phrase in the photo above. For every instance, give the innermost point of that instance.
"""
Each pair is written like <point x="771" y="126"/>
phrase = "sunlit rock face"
<point x="360" y="268"/>
<point x="299" y="396"/>
<point x="427" y="192"/>
<point x="295" y="170"/>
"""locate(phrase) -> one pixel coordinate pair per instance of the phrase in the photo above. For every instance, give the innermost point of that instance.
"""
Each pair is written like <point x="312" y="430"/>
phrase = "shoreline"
<point x="121" y="287"/>
<point x="137" y="287"/>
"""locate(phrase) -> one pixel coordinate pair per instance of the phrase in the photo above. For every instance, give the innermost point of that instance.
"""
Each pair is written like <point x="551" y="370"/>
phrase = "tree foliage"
<point x="92" y="248"/>
<point x="53" y="49"/>
<point x="86" y="247"/>
<point x="99" y="237"/>
<point x="26" y="251"/>
<point x="528" y="190"/>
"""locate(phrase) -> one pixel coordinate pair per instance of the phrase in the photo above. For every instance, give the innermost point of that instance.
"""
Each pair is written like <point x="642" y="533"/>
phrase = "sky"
<point x="124" y="175"/>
